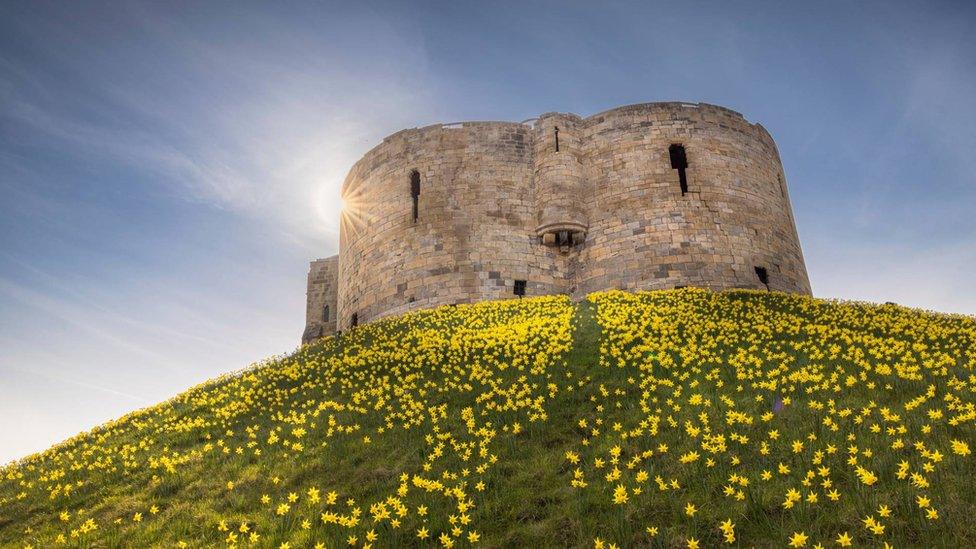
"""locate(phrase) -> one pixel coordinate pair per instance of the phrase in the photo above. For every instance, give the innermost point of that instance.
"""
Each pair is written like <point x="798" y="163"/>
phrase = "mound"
<point x="681" y="418"/>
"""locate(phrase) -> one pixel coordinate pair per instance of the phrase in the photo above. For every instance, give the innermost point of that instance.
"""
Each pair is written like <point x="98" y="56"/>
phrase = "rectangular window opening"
<point x="325" y="313"/>
<point x="520" y="288"/>
<point x="355" y="320"/>
<point x="763" y="276"/>
<point x="563" y="238"/>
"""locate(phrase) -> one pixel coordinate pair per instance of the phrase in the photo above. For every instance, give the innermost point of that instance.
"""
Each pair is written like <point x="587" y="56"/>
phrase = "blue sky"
<point x="167" y="170"/>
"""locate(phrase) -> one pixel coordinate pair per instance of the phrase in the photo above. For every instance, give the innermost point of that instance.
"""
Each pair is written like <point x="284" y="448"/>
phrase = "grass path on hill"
<point x="529" y="504"/>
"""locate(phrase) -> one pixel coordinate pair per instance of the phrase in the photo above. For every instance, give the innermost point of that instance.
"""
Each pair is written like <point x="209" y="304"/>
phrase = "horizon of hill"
<point x="680" y="418"/>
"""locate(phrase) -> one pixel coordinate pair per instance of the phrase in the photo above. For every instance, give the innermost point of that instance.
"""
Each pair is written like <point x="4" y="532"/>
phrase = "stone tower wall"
<point x="475" y="234"/>
<point x="735" y="216"/>
<point x="498" y="203"/>
<point x="321" y="303"/>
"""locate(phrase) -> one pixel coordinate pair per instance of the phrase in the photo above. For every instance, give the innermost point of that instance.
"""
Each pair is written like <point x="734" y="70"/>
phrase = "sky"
<point x="167" y="170"/>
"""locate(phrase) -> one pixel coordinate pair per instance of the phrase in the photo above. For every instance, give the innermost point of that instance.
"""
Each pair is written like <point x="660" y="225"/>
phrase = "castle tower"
<point x="640" y="197"/>
<point x="559" y="180"/>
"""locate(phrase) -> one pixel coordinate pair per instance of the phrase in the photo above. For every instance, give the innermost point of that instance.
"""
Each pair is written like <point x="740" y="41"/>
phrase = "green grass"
<point x="487" y="400"/>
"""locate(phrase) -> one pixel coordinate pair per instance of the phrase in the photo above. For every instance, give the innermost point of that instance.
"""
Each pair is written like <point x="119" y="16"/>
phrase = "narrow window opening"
<point x="557" y="138"/>
<point x="763" y="276"/>
<point x="355" y="320"/>
<point x="325" y="313"/>
<point x="415" y="193"/>
<point x="520" y="288"/>
<point x="562" y="238"/>
<point x="679" y="161"/>
<point x="782" y="187"/>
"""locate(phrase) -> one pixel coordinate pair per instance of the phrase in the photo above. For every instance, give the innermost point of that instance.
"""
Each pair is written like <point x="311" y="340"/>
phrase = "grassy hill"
<point x="670" y="419"/>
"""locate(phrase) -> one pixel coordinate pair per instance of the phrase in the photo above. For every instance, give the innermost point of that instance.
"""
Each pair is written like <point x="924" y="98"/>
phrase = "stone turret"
<point x="559" y="183"/>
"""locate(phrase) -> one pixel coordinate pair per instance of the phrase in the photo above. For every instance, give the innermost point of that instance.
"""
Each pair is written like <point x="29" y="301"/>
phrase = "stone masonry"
<point x="321" y="308"/>
<point x="559" y="204"/>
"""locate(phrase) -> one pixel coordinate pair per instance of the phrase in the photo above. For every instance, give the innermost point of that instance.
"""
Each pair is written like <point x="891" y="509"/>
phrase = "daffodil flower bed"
<point x="681" y="418"/>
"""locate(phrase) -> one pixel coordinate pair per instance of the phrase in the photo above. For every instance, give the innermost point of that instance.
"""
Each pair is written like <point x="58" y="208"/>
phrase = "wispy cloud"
<point x="79" y="383"/>
<point x="79" y="319"/>
<point x="268" y="133"/>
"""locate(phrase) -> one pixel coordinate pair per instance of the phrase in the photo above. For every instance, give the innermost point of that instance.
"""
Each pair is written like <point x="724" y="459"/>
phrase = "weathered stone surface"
<point x="498" y="203"/>
<point x="321" y="307"/>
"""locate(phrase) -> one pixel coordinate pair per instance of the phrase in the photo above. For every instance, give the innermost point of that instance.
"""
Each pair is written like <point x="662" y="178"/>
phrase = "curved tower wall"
<point x="735" y="216"/>
<point x="475" y="232"/>
<point x="495" y="196"/>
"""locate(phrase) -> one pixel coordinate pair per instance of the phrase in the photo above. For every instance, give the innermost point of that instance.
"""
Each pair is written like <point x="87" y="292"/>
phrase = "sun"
<point x="355" y="212"/>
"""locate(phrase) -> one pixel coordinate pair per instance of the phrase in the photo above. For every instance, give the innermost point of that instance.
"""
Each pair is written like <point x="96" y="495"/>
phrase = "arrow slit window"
<point x="679" y="161"/>
<point x="415" y="193"/>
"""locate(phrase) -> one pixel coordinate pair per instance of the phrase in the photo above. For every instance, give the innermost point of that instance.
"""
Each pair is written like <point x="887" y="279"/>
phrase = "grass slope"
<point x="670" y="419"/>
